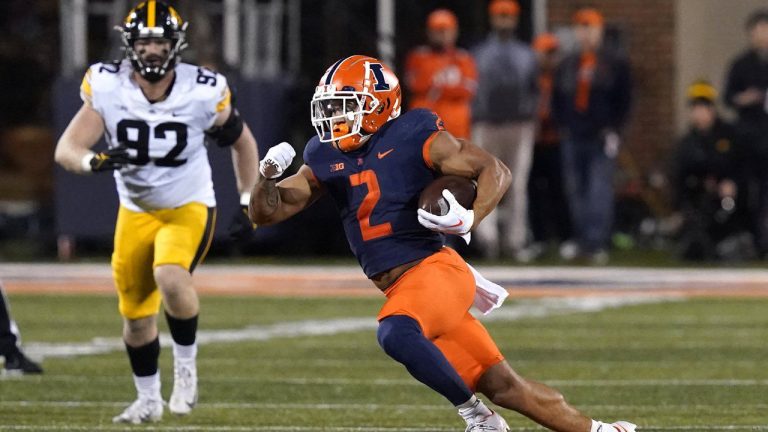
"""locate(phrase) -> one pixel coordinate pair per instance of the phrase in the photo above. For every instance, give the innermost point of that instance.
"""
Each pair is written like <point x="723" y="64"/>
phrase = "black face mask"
<point x="158" y="65"/>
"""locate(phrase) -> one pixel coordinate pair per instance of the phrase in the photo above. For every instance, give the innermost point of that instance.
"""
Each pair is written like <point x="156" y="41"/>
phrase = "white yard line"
<point x="525" y="309"/>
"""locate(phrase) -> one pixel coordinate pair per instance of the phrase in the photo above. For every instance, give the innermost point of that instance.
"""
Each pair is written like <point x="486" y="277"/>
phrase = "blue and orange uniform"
<point x="376" y="189"/>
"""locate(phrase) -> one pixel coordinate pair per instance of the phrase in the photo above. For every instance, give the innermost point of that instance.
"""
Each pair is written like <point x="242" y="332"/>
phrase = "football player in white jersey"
<point x="155" y="114"/>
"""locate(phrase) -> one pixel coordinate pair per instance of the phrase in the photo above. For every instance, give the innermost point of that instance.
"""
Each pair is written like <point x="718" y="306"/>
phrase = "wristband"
<point x="85" y="162"/>
<point x="245" y="199"/>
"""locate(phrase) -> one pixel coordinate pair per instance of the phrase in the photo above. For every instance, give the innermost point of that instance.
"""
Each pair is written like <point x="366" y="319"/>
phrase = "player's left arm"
<point x="451" y="156"/>
<point x="230" y="130"/>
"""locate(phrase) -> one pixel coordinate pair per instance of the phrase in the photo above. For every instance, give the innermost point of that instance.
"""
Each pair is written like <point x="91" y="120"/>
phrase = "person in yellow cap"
<point x="442" y="77"/>
<point x="590" y="104"/>
<point x="504" y="116"/>
<point x="709" y="180"/>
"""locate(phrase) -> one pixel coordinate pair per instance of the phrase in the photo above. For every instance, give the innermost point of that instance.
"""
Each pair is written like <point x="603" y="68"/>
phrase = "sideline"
<point x="336" y="280"/>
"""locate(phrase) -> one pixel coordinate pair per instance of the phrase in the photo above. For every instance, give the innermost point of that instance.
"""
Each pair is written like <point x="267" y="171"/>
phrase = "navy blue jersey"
<point x="376" y="189"/>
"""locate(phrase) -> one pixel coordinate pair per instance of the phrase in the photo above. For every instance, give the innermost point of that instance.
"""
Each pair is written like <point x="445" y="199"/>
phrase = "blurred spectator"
<point x="28" y="56"/>
<point x="590" y="103"/>
<point x="745" y="91"/>
<point x="442" y="77"/>
<point x="28" y="53"/>
<point x="504" y="112"/>
<point x="709" y="180"/>
<point x="548" y="211"/>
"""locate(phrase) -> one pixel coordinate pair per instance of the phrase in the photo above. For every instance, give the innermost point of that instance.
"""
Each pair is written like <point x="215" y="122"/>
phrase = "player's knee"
<point x="396" y="333"/>
<point x="504" y="387"/>
<point x="139" y="331"/>
<point x="172" y="279"/>
<point x="511" y="394"/>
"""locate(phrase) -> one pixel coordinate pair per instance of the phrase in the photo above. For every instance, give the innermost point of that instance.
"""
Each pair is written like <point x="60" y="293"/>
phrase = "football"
<point x="431" y="198"/>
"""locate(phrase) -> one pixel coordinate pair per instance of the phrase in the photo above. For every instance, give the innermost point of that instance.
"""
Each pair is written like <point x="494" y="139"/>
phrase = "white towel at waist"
<point x="488" y="295"/>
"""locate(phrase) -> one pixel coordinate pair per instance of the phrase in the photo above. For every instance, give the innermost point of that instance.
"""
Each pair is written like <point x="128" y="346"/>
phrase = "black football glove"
<point x="110" y="159"/>
<point x="241" y="227"/>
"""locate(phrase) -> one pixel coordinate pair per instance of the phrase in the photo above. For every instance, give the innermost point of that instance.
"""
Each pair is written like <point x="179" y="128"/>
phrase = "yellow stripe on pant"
<point x="145" y="240"/>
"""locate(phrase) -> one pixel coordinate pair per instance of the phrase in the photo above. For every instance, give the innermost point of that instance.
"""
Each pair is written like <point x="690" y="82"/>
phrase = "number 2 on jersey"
<point x="141" y="143"/>
<point x="369" y="232"/>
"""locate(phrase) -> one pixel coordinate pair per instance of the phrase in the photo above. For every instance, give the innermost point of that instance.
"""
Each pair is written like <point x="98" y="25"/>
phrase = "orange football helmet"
<point x="354" y="98"/>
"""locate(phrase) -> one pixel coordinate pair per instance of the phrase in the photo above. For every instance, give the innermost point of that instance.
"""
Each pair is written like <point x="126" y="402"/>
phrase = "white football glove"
<point x="457" y="221"/>
<point x="277" y="160"/>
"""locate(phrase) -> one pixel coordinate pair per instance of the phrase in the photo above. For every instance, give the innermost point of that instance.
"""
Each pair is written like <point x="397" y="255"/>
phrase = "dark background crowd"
<point x="565" y="106"/>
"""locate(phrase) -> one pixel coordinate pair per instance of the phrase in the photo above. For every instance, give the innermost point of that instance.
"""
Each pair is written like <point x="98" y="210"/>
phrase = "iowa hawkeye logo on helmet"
<point x="354" y="98"/>
<point x="153" y="19"/>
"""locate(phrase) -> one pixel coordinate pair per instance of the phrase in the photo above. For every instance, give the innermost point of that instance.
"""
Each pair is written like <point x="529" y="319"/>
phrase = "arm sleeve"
<point x="426" y="126"/>
<point x="418" y="81"/>
<point x="216" y="98"/>
<point x="86" y="89"/>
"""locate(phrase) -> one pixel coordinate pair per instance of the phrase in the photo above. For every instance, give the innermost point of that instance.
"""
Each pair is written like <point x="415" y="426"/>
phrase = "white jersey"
<point x="166" y="142"/>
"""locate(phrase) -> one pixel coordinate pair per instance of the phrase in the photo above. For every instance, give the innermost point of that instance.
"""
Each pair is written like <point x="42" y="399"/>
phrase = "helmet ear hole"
<point x="374" y="103"/>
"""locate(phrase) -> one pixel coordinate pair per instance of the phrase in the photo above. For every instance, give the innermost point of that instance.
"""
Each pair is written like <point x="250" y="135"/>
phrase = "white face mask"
<point x="338" y="115"/>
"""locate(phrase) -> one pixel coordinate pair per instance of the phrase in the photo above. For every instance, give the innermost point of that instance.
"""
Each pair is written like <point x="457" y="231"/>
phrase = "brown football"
<point x="431" y="198"/>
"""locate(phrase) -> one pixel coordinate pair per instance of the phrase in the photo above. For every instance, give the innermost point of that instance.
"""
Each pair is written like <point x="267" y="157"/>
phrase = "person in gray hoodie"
<point x="504" y="116"/>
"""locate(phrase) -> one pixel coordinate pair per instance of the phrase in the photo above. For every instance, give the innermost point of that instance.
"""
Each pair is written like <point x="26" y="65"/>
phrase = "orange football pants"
<point x="438" y="293"/>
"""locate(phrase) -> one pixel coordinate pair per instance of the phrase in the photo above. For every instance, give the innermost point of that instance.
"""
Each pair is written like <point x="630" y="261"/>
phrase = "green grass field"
<point x="698" y="364"/>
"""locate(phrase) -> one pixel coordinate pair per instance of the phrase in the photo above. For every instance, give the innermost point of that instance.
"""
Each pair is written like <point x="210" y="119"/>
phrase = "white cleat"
<point x="491" y="423"/>
<point x="184" y="396"/>
<point x="142" y="410"/>
<point x="624" y="426"/>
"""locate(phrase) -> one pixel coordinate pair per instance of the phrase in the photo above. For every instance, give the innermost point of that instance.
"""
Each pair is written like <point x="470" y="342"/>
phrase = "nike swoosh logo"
<point x="382" y="155"/>
<point x="457" y="224"/>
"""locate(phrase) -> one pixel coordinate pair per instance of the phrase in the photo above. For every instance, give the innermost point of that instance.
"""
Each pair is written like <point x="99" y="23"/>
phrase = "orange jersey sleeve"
<point x="418" y="72"/>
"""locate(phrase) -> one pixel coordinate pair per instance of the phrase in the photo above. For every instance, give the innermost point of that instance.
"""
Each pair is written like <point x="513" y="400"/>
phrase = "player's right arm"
<point x="73" y="150"/>
<point x="83" y="132"/>
<point x="273" y="202"/>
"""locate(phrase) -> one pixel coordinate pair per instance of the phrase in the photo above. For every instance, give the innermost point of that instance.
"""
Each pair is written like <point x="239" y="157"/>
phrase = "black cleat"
<point x="18" y="364"/>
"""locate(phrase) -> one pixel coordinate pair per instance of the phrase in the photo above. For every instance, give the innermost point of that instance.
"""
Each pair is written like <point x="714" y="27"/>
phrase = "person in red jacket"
<point x="442" y="77"/>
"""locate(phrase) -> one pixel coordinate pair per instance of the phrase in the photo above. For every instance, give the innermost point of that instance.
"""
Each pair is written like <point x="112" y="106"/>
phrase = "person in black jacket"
<point x="590" y="103"/>
<point x="16" y="363"/>
<point x="745" y="91"/>
<point x="709" y="179"/>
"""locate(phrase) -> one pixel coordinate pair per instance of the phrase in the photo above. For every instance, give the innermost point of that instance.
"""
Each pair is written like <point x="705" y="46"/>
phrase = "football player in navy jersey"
<point x="374" y="162"/>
